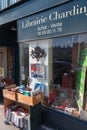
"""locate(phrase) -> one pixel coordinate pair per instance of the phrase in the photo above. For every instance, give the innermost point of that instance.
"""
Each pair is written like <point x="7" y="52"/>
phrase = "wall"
<point x="43" y="44"/>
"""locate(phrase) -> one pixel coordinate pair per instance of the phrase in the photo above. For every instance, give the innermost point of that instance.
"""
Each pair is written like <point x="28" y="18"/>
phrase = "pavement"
<point x="4" y="126"/>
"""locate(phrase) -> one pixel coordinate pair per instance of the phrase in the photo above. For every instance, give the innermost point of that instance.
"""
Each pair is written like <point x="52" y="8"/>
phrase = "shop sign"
<point x="65" y="19"/>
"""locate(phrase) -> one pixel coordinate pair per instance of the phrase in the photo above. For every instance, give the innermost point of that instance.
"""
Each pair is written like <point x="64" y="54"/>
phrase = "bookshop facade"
<point x="55" y="44"/>
<point x="52" y="45"/>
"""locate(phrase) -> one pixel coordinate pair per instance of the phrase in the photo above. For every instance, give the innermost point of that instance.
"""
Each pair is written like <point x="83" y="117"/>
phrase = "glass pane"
<point x="12" y="2"/>
<point x="4" y="4"/>
<point x="24" y="63"/>
<point x="60" y="65"/>
<point x="68" y="89"/>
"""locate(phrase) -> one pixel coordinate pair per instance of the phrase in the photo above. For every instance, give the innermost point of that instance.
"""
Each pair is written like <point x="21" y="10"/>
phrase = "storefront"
<point x="52" y="43"/>
<point x="53" y="53"/>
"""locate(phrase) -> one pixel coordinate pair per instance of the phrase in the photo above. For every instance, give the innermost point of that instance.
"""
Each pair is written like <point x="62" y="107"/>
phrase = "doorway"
<point x="7" y="65"/>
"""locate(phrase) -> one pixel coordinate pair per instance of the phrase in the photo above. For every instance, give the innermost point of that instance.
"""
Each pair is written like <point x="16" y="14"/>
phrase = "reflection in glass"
<point x="69" y="74"/>
<point x="24" y="63"/>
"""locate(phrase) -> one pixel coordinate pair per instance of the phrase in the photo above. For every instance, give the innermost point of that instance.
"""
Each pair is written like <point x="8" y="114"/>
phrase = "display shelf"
<point x="18" y="97"/>
<point x="33" y="108"/>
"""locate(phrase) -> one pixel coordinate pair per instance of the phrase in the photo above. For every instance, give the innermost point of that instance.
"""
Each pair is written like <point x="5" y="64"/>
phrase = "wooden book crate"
<point x="29" y="100"/>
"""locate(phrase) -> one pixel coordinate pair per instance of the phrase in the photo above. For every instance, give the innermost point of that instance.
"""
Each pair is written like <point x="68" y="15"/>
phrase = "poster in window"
<point x="38" y="71"/>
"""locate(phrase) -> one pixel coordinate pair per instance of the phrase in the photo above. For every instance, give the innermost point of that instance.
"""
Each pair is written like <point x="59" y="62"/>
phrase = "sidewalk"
<point x="2" y="125"/>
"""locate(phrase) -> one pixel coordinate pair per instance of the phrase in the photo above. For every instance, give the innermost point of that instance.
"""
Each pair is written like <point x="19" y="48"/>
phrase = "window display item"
<point x="67" y="81"/>
<point x="35" y="92"/>
<point x="51" y="97"/>
<point x="64" y="100"/>
<point x="38" y="53"/>
<point x="38" y="71"/>
<point x="41" y="85"/>
<point x="69" y="110"/>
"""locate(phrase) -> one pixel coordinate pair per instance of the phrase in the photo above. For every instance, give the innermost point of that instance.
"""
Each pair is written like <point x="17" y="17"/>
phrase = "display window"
<point x="68" y="92"/>
<point x="60" y="65"/>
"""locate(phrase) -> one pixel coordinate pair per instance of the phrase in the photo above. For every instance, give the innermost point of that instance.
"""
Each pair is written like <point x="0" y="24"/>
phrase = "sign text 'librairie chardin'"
<point x="53" y="21"/>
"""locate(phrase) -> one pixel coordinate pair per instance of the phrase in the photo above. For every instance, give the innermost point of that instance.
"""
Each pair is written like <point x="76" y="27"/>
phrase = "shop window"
<point x="62" y="72"/>
<point x="68" y="92"/>
<point x="4" y="4"/>
<point x="12" y="2"/>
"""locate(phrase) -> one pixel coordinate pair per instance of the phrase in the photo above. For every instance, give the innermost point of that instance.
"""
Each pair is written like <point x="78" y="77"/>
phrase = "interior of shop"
<point x="6" y="68"/>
